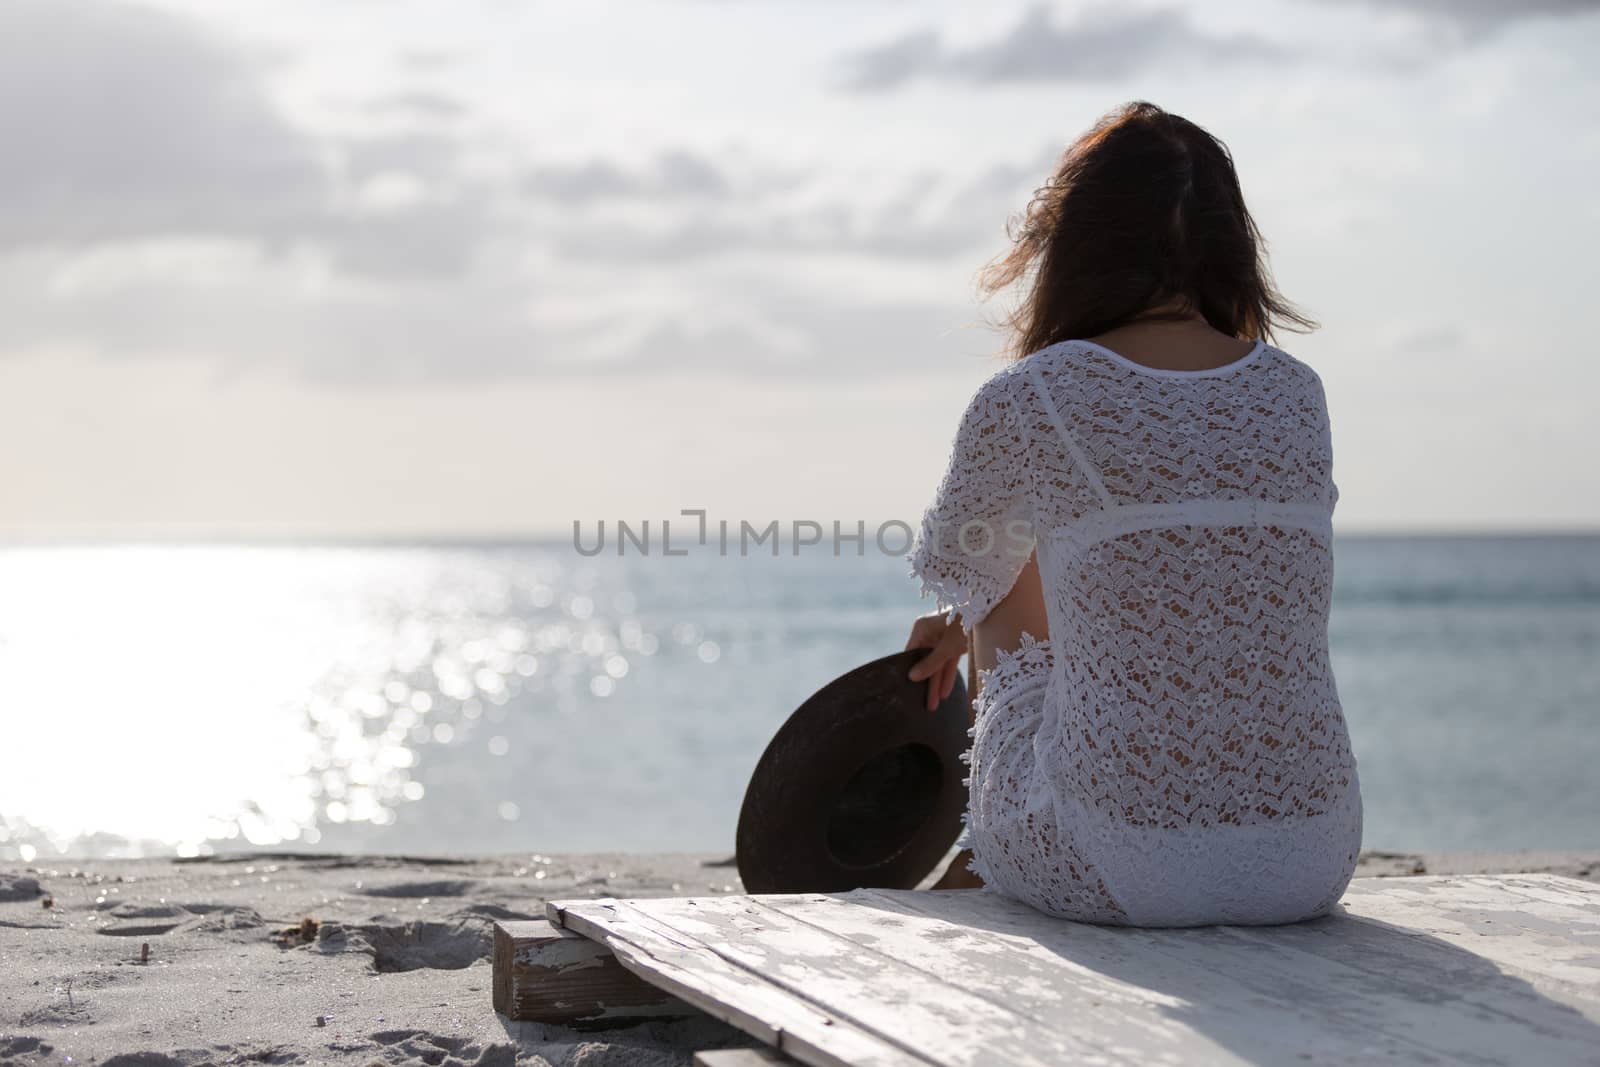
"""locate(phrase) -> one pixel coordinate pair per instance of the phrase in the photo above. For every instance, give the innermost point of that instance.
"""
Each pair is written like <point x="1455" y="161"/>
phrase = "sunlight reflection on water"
<point x="200" y="695"/>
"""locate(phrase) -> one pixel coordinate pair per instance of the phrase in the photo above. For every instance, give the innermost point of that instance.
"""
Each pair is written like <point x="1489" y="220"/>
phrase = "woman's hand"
<point x="947" y="643"/>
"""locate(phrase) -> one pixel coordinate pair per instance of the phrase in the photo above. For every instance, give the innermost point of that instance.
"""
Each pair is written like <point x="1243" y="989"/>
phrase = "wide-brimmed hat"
<point x="862" y="786"/>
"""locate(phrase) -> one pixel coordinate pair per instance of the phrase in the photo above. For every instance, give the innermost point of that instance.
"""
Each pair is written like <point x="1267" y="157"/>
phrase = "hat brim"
<point x="861" y="787"/>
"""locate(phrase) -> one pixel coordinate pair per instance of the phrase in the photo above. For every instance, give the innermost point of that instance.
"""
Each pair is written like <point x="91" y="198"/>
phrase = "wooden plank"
<point x="1543" y="928"/>
<point x="1583" y="892"/>
<point x="544" y="973"/>
<point x="1400" y="972"/>
<point x="1398" y="984"/>
<point x="693" y="972"/>
<point x="1556" y="888"/>
<point x="1576" y="896"/>
<point x="933" y="1014"/>
<point x="1058" y="974"/>
<point x="1190" y="1003"/>
<point x="740" y="1057"/>
<point x="1351" y="987"/>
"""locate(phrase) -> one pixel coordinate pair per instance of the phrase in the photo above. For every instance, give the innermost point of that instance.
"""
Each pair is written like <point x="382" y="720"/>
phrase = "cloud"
<point x="157" y="204"/>
<point x="798" y="338"/>
<point x="429" y="154"/>
<point x="934" y="214"/>
<point x="1450" y="25"/>
<point x="245" y="317"/>
<point x="1105" y="43"/>
<point x="885" y="66"/>
<point x="417" y="104"/>
<point x="123" y="122"/>
<point x="830" y="228"/>
<point x="1484" y="12"/>
<point x="1433" y="340"/>
<point x="242" y="313"/>
<point x="1444" y="27"/>
<point x="674" y="174"/>
<point x="428" y="60"/>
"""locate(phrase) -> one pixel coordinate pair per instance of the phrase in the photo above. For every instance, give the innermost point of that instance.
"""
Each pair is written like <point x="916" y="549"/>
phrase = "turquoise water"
<point x="465" y="698"/>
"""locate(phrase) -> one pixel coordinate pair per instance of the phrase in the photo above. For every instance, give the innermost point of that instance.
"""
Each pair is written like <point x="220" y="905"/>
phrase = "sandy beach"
<point x="393" y="969"/>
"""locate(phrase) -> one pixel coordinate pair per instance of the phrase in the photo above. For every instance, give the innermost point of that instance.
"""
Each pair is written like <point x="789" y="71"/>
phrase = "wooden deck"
<point x="1418" y="970"/>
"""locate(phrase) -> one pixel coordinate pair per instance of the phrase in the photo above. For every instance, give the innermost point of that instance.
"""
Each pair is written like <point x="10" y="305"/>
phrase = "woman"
<point x="1135" y="534"/>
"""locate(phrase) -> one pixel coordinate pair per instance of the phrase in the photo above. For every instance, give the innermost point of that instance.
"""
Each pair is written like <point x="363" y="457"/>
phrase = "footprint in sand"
<point x="421" y="1046"/>
<point x="415" y="945"/>
<point x="19" y="887"/>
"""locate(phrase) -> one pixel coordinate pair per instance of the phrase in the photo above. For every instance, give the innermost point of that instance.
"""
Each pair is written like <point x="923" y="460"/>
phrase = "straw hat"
<point x="862" y="786"/>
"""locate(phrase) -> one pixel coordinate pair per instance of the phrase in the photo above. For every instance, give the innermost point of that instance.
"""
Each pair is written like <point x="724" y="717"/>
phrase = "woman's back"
<point x="1187" y="564"/>
<point x="1182" y="521"/>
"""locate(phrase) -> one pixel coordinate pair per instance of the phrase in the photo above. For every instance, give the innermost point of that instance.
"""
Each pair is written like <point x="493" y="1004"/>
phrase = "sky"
<point x="484" y="268"/>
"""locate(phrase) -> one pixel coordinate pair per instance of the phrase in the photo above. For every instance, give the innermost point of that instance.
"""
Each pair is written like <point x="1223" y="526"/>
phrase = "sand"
<point x="396" y="971"/>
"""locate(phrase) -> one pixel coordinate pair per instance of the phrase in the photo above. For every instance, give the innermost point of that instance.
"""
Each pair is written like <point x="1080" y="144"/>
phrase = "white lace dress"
<point x="1175" y="753"/>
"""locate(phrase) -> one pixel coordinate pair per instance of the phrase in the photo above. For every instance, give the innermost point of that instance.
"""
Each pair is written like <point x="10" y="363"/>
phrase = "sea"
<point x="434" y="699"/>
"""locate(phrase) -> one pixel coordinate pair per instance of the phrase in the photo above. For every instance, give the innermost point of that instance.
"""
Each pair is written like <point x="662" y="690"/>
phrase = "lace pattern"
<point x="1017" y="840"/>
<point x="975" y="539"/>
<point x="1184" y="709"/>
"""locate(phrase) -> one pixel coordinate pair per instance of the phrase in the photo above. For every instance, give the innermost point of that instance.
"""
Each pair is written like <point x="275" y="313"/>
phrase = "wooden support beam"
<point x="548" y="974"/>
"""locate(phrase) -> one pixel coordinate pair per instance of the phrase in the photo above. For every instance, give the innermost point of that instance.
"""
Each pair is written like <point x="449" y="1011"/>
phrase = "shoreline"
<point x="397" y="972"/>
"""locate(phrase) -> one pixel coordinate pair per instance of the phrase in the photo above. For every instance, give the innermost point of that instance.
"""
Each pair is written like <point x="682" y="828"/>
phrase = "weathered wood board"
<point x="545" y="972"/>
<point x="1415" y="970"/>
<point x="744" y="1057"/>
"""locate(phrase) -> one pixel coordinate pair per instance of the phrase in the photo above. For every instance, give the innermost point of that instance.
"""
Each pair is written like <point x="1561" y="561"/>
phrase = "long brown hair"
<point x="1143" y="208"/>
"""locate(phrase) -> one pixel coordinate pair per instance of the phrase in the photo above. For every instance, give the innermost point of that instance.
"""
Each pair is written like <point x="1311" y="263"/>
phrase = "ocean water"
<point x="420" y="699"/>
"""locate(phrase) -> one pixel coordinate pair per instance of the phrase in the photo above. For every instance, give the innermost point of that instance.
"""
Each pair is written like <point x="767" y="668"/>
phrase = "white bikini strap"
<point x="1067" y="439"/>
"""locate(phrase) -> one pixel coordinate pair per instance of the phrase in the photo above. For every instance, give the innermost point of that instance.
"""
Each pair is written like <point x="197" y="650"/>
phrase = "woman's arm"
<point x="976" y="536"/>
<point x="1020" y="611"/>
